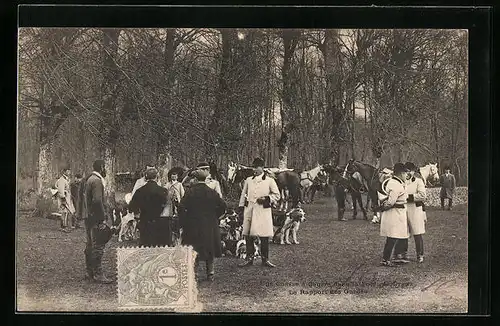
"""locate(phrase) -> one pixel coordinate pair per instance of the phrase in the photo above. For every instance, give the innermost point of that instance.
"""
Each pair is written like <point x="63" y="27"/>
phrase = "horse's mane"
<point x="365" y="164"/>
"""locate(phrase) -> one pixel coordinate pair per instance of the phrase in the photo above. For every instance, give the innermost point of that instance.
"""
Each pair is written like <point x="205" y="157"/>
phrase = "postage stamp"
<point x="158" y="278"/>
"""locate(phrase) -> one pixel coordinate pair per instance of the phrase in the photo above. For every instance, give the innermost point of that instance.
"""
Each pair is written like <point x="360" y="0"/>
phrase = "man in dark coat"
<point x="93" y="213"/>
<point x="149" y="200"/>
<point x="447" y="187"/>
<point x="199" y="212"/>
<point x="75" y="194"/>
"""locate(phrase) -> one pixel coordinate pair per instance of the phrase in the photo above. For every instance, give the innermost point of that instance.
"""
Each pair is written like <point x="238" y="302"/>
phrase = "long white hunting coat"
<point x="394" y="222"/>
<point x="64" y="200"/>
<point x="416" y="217"/>
<point x="257" y="220"/>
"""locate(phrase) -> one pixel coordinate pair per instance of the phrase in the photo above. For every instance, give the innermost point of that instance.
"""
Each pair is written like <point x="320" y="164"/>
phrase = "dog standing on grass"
<point x="286" y="223"/>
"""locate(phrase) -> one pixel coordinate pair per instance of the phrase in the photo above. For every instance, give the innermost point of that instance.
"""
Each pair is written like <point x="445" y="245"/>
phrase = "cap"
<point x="400" y="167"/>
<point x="258" y="162"/>
<point x="410" y="166"/>
<point x="203" y="165"/>
<point x="200" y="175"/>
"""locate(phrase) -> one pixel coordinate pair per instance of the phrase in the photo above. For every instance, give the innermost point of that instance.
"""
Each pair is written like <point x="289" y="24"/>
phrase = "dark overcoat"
<point x="199" y="212"/>
<point x="149" y="200"/>
<point x="447" y="186"/>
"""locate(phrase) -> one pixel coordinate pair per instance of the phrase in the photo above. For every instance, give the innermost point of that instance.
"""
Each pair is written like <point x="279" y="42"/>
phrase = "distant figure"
<point x="448" y="184"/>
<point x="199" y="213"/>
<point x="175" y="191"/>
<point x="64" y="200"/>
<point x="75" y="196"/>
<point x="149" y="201"/>
<point x="210" y="181"/>
<point x="141" y="181"/>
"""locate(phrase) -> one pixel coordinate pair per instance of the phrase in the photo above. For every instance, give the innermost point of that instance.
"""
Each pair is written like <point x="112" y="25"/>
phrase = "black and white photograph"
<point x="311" y="170"/>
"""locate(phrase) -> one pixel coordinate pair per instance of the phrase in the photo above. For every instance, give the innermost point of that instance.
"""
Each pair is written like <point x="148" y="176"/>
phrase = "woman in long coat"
<point x="199" y="212"/>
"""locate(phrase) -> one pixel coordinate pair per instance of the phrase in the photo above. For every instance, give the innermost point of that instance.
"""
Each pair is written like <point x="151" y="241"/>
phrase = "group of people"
<point x="198" y="210"/>
<point x="403" y="211"/>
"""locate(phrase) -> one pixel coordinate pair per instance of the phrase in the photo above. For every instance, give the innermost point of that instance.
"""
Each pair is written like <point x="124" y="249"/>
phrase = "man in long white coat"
<point x="394" y="222"/>
<point x="259" y="192"/>
<point x="64" y="199"/>
<point x="415" y="188"/>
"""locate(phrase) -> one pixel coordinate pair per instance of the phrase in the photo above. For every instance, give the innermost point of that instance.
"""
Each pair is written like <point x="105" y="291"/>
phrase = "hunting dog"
<point x="241" y="249"/>
<point x="287" y="222"/>
<point x="125" y="220"/>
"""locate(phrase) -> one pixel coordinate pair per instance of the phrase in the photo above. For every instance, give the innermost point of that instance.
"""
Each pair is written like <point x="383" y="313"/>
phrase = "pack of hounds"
<point x="286" y="225"/>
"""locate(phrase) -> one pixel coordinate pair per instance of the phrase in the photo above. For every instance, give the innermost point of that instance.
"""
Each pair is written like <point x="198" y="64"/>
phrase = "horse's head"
<point x="433" y="171"/>
<point x="352" y="166"/>
<point x="231" y="171"/>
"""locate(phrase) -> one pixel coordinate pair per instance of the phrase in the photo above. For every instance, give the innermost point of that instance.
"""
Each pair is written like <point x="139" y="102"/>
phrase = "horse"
<point x="307" y="180"/>
<point x="351" y="184"/>
<point x="320" y="183"/>
<point x="429" y="172"/>
<point x="373" y="178"/>
<point x="237" y="173"/>
<point x="287" y="180"/>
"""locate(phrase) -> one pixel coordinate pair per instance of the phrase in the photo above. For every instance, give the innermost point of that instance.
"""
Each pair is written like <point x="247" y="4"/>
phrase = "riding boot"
<point x="88" y="263"/>
<point x="341" y="214"/>
<point x="264" y="244"/>
<point x="442" y="203"/>
<point x="449" y="204"/>
<point x="354" y="213"/>
<point x="419" y="245"/>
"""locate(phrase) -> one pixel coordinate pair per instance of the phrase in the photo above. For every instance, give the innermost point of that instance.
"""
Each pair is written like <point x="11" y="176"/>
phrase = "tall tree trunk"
<point x="335" y="114"/>
<point x="222" y="106"/>
<point x="109" y="109"/>
<point x="290" y="39"/>
<point x="164" y="148"/>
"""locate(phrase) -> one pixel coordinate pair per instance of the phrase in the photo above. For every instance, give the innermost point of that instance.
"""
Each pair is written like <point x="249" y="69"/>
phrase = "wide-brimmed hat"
<point x="258" y="162"/>
<point x="203" y="165"/>
<point x="400" y="167"/>
<point x="410" y="166"/>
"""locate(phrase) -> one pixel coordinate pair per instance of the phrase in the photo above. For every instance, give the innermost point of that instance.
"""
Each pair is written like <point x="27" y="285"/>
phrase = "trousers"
<point x="402" y="246"/>
<point x="93" y="250"/>
<point x="156" y="232"/>
<point x="209" y="265"/>
<point x="449" y="202"/>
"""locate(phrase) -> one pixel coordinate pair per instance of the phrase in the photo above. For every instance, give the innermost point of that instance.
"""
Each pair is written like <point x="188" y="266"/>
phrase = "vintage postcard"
<point x="242" y="170"/>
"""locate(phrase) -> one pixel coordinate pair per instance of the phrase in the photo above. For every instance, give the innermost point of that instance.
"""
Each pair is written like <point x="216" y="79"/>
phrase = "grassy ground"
<point x="50" y="270"/>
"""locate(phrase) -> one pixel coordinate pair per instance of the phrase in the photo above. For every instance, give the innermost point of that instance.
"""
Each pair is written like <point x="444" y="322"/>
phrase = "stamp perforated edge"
<point x="193" y="304"/>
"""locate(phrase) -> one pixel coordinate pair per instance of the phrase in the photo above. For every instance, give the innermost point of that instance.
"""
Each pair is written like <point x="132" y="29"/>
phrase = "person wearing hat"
<point x="149" y="201"/>
<point x="93" y="213"/>
<point x="259" y="192"/>
<point x="199" y="212"/>
<point x="394" y="222"/>
<point x="415" y="188"/>
<point x="210" y="181"/>
<point x="64" y="199"/>
<point x="448" y="183"/>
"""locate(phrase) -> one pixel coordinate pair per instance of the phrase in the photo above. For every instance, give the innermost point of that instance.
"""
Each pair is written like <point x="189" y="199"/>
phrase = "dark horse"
<point x="289" y="185"/>
<point x="345" y="180"/>
<point x="373" y="178"/>
<point x="287" y="181"/>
